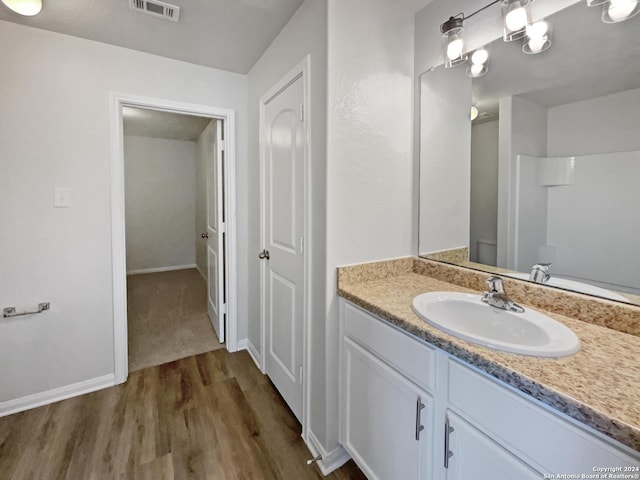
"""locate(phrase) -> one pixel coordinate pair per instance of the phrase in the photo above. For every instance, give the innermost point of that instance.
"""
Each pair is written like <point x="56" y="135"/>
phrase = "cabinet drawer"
<point x="414" y="359"/>
<point x="530" y="430"/>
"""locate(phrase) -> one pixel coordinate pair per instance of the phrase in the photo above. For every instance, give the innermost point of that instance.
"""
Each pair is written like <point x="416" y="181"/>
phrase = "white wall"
<point x="305" y="34"/>
<point x="370" y="168"/>
<point x="597" y="125"/>
<point x="160" y="202"/>
<point x="203" y="152"/>
<point x="484" y="185"/>
<point x="528" y="137"/>
<point x="445" y="160"/>
<point x="55" y="131"/>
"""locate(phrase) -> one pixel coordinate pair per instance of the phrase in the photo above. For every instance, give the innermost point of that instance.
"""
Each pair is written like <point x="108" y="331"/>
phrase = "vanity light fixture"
<point x="453" y="41"/>
<point x="615" y="11"/>
<point x="452" y="31"/>
<point x="538" y="38"/>
<point x="516" y="15"/>
<point x="478" y="66"/>
<point x="28" y="8"/>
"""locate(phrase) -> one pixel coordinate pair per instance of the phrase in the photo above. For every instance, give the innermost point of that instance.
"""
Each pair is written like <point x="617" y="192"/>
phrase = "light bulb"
<point x="28" y="8"/>
<point x="476" y="69"/>
<point x="536" y="44"/>
<point x="620" y="9"/>
<point x="474" y="112"/>
<point x="454" y="48"/>
<point x="516" y="19"/>
<point x="537" y="30"/>
<point x="479" y="56"/>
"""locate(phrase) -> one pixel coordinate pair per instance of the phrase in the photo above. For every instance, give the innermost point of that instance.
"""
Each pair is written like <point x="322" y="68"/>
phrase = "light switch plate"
<point x="61" y="197"/>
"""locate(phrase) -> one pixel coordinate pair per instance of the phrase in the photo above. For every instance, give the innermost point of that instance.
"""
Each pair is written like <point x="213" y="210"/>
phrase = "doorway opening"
<point x="173" y="231"/>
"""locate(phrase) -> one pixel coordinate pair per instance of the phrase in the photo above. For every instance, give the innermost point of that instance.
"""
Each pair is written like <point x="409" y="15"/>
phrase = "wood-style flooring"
<point x="210" y="416"/>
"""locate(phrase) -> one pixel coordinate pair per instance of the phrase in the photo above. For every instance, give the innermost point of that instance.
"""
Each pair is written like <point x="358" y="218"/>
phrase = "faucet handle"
<point x="495" y="284"/>
<point x="542" y="266"/>
<point x="540" y="273"/>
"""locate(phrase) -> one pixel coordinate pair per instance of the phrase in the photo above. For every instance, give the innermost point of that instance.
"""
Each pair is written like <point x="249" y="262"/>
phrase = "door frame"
<point x="118" y="238"/>
<point x="302" y="69"/>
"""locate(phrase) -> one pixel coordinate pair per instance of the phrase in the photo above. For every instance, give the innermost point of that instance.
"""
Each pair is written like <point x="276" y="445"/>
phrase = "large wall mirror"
<point x="549" y="170"/>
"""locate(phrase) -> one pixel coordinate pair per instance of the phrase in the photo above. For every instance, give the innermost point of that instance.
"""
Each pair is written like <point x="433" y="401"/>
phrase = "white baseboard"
<point x="162" y="269"/>
<point x="245" y="344"/>
<point x="202" y="274"/>
<point x="55" y="395"/>
<point x="330" y="460"/>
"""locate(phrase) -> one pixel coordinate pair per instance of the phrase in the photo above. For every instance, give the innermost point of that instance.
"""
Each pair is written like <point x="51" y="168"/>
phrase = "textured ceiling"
<point x="154" y="123"/>
<point x="226" y="34"/>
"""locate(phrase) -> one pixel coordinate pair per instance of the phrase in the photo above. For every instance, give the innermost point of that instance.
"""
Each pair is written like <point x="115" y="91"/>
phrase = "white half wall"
<point x="160" y="202"/>
<point x="55" y="132"/>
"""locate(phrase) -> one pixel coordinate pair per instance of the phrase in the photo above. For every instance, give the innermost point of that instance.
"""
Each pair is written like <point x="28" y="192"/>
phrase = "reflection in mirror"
<point x="549" y="171"/>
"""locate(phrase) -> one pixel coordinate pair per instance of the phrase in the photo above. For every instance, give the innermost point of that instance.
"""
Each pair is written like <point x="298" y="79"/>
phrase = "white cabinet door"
<point x="382" y="413"/>
<point x="474" y="455"/>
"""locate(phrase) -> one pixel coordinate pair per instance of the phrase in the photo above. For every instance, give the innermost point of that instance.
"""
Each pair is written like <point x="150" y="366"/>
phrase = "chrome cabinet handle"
<point x="205" y="235"/>
<point x="448" y="430"/>
<point x="264" y="254"/>
<point x="419" y="426"/>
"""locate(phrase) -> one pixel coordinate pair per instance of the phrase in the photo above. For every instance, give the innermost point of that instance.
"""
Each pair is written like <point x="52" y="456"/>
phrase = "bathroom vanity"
<point x="417" y="403"/>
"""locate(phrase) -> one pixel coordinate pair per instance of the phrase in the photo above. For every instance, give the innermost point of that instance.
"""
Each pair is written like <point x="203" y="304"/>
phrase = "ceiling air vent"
<point x="155" y="8"/>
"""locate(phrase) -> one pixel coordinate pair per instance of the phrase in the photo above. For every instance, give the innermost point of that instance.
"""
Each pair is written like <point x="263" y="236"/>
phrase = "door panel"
<point x="379" y="411"/>
<point x="283" y="154"/>
<point x="216" y="231"/>
<point x="283" y="324"/>
<point x="474" y="455"/>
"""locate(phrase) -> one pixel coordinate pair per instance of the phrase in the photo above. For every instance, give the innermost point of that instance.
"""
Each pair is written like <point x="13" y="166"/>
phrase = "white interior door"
<point x="283" y="221"/>
<point x="216" y="235"/>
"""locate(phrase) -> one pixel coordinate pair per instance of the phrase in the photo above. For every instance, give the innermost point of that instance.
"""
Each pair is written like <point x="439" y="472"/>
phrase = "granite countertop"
<point x="598" y="386"/>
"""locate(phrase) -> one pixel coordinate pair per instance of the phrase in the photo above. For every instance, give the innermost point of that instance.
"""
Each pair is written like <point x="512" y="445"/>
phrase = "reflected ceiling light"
<point x="538" y="38"/>
<point x="474" y="112"/>
<point x="615" y="11"/>
<point x="478" y="66"/>
<point x="453" y="42"/>
<point x="516" y="15"/>
<point x="28" y="8"/>
<point x="619" y="10"/>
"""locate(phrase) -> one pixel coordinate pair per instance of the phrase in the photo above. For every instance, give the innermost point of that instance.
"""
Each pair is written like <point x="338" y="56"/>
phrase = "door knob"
<point x="264" y="254"/>
<point x="205" y="235"/>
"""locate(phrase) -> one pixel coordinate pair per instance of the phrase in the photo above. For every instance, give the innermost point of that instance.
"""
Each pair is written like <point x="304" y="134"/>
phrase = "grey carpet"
<point x="167" y="318"/>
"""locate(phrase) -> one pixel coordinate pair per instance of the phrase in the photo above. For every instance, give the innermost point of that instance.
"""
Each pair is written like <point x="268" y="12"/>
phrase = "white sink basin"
<point x="575" y="286"/>
<point x="465" y="316"/>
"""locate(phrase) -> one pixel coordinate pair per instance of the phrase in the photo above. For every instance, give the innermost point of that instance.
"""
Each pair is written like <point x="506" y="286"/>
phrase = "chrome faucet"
<point x="540" y="273"/>
<point x="496" y="297"/>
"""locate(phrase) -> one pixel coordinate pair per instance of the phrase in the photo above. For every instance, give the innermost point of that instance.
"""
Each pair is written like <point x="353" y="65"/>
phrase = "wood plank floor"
<point x="211" y="416"/>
